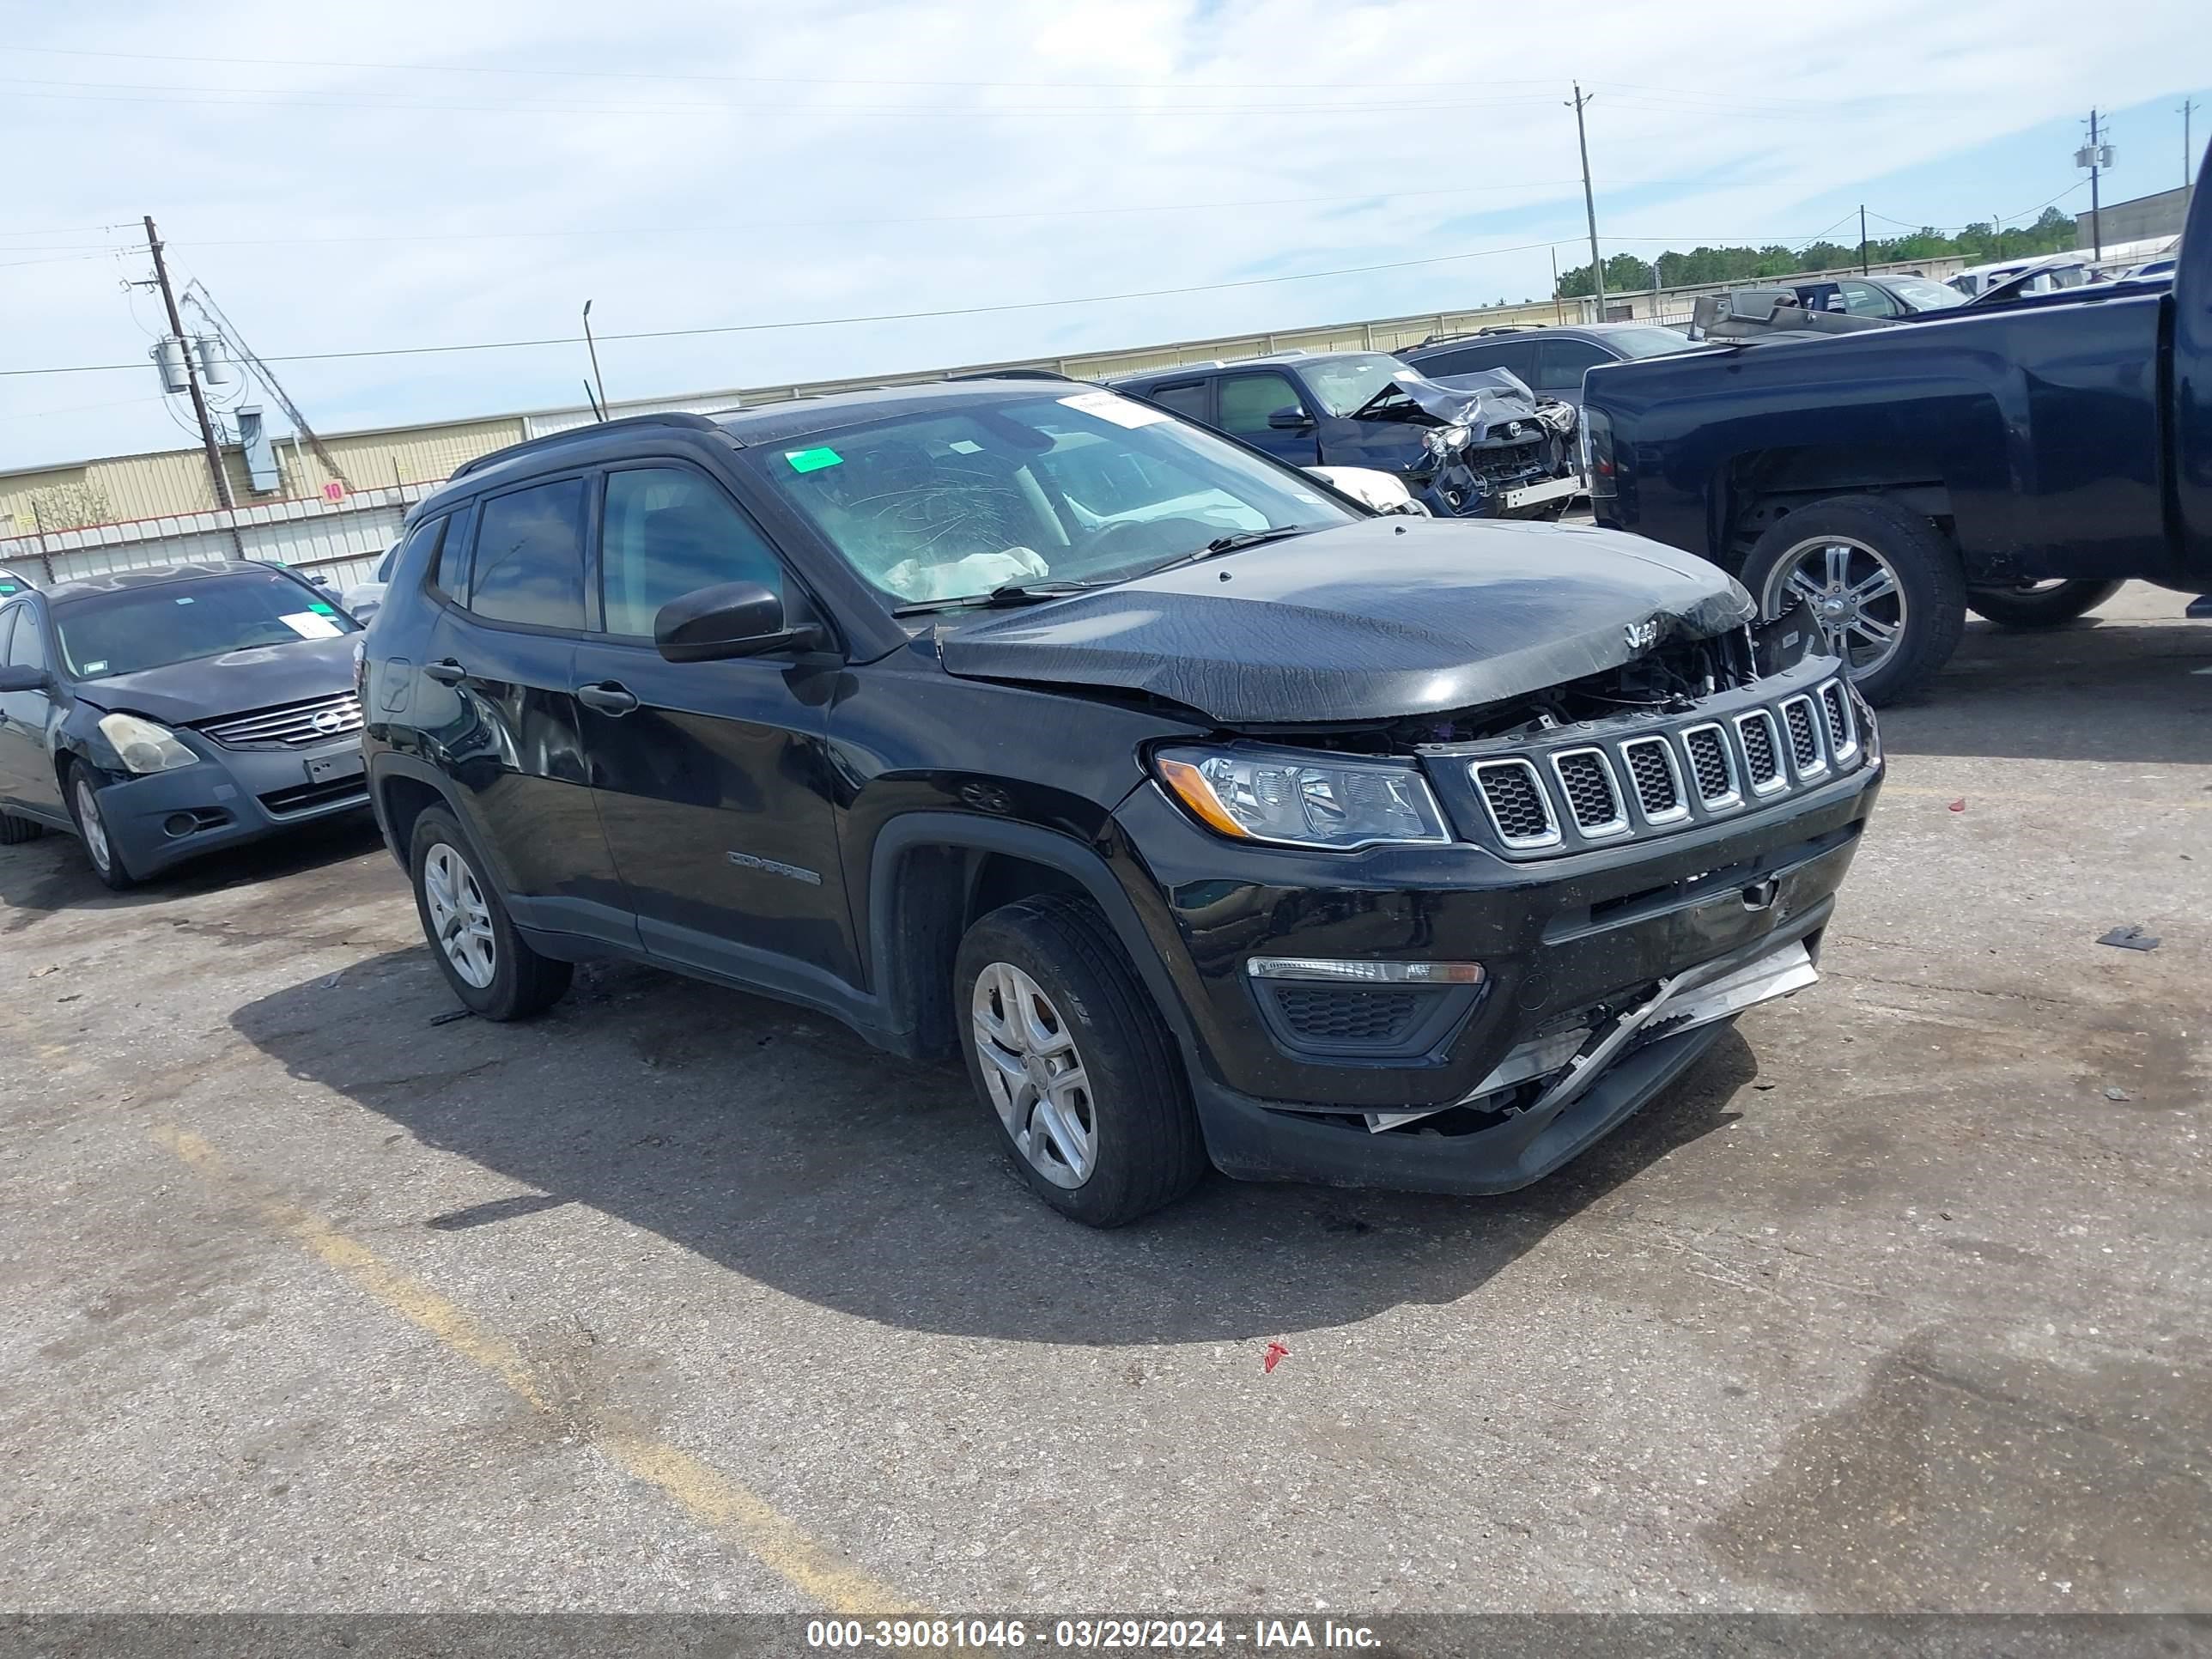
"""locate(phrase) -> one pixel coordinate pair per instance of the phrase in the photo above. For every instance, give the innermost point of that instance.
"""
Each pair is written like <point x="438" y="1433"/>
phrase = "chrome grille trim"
<point x="1801" y="724"/>
<point x="1731" y="795"/>
<point x="1678" y="806"/>
<point x="1527" y="771"/>
<point x="291" y="726"/>
<point x="1604" y="829"/>
<point x="1777" y="775"/>
<point x="1843" y="728"/>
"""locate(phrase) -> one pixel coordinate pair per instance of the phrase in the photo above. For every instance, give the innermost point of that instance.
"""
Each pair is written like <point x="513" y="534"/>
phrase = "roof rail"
<point x="1478" y="333"/>
<point x="1010" y="374"/>
<point x="571" y="434"/>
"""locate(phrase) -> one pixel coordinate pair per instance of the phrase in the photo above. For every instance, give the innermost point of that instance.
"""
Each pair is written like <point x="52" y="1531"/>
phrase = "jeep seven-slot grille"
<point x="293" y="725"/>
<point x="1587" y="778"/>
<point x="1659" y="777"/>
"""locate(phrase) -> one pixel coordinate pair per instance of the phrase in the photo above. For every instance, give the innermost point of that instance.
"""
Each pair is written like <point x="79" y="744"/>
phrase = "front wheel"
<point x="100" y="848"/>
<point x="2039" y="605"/>
<point x="1882" y="583"/>
<point x="484" y="960"/>
<point x="1075" y="1063"/>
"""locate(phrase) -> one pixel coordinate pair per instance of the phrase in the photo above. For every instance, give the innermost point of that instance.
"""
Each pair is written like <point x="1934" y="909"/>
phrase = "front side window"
<point x="130" y="630"/>
<point x="1247" y="401"/>
<point x="530" y="556"/>
<point x="669" y="531"/>
<point x="1560" y="363"/>
<point x="1862" y="299"/>
<point x="28" y="648"/>
<point x="1925" y="295"/>
<point x="950" y="504"/>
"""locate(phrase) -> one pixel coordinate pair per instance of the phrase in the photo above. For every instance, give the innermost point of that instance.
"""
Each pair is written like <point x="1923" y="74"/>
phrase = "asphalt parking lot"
<point x="679" y="1299"/>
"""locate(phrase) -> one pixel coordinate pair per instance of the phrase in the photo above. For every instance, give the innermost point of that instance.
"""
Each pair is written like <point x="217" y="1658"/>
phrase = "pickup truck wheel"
<point x="1076" y="1065"/>
<point x="1882" y="582"/>
<point x="471" y="936"/>
<point x="2039" y="605"/>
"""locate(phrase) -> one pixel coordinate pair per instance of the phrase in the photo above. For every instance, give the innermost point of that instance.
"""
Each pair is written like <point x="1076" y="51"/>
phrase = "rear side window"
<point x="1184" y="397"/>
<point x="668" y="531"/>
<point x="530" y="556"/>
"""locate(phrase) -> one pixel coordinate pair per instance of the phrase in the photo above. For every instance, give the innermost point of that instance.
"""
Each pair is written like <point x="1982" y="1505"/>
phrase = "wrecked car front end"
<point x="1495" y="448"/>
<point x="1440" y="924"/>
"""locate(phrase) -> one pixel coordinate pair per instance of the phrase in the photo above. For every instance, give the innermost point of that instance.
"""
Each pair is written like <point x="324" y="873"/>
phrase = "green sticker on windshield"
<point x="323" y="609"/>
<point x="6" y="588"/>
<point x="813" y="460"/>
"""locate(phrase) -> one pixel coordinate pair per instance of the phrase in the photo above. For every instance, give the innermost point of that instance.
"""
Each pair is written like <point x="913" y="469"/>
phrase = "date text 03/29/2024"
<point x="1087" y="1634"/>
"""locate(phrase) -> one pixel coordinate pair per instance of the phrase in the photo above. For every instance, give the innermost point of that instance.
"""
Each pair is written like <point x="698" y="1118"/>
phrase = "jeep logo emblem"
<point x="1642" y="635"/>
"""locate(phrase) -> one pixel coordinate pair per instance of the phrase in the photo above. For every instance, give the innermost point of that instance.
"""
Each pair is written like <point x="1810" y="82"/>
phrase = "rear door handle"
<point x="447" y="672"/>
<point x="609" y="697"/>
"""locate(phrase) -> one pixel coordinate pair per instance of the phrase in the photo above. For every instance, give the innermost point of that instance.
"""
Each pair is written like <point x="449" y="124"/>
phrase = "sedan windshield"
<point x="1087" y="487"/>
<point x="135" y="628"/>
<point x="1923" y="295"/>
<point x="1646" y="342"/>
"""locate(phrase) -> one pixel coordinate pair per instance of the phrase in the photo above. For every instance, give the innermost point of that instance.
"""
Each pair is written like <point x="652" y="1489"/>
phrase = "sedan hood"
<point x="1374" y="620"/>
<point x="209" y="688"/>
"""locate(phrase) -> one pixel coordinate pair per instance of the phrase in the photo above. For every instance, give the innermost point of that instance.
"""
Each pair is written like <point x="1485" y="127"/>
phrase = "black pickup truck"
<point x="2019" y="457"/>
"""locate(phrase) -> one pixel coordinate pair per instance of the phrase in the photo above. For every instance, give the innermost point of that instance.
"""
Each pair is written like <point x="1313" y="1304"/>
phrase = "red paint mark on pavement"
<point x="1960" y="804"/>
<point x="1276" y="1353"/>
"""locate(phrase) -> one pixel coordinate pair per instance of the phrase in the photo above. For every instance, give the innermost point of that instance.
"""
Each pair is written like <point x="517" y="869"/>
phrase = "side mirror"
<point x="1289" y="418"/>
<point x="320" y="581"/>
<point x="16" y="678"/>
<point x="731" y="619"/>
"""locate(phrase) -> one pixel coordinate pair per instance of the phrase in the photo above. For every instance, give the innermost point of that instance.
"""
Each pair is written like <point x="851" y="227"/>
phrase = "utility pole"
<point x="1863" y="258"/>
<point x="2096" y="207"/>
<point x="1558" y="315"/>
<point x="193" y="384"/>
<point x="1590" y="202"/>
<point x="2188" y="149"/>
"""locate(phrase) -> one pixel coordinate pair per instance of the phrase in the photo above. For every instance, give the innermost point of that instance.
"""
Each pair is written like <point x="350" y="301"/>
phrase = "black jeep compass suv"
<point x="1211" y="817"/>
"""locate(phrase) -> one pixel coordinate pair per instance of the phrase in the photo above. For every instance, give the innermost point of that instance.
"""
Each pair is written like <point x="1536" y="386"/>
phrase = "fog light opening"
<point x="179" y="823"/>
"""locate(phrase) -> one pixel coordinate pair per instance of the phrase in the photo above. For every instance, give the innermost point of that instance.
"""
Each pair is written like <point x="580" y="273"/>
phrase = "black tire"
<point x="81" y="789"/>
<point x="521" y="982"/>
<point x="1929" y="580"/>
<point x="2045" y="606"/>
<point x="13" y="832"/>
<point x="1146" y="1150"/>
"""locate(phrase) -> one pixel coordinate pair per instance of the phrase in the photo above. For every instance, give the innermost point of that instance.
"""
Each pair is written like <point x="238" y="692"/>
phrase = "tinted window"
<point x="447" y="566"/>
<point x="670" y="531"/>
<point x="1247" y="400"/>
<point x="128" y="630"/>
<point x="28" y="648"/>
<point x="530" y="556"/>
<point x="1184" y="397"/>
<point x="1517" y="357"/>
<point x="1560" y="363"/>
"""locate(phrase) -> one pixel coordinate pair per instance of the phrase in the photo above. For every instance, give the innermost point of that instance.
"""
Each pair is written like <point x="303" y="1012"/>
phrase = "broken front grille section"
<point x="1659" y="780"/>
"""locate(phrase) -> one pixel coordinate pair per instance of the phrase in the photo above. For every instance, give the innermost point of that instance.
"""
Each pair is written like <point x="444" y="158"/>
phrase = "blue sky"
<point x="468" y="171"/>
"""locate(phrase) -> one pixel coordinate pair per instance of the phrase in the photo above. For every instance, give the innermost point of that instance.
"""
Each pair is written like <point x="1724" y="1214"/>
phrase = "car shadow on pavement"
<point x="40" y="877"/>
<point x="2130" y="692"/>
<point x="778" y="1145"/>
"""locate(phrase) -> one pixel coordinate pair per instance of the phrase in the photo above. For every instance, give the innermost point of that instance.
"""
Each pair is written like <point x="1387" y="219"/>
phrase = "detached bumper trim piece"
<point x="1529" y="494"/>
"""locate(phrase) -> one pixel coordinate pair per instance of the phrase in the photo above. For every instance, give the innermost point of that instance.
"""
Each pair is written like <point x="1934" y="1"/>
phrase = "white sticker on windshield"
<point x="965" y="447"/>
<point x="308" y="626"/>
<point x="100" y="667"/>
<point x="1111" y="406"/>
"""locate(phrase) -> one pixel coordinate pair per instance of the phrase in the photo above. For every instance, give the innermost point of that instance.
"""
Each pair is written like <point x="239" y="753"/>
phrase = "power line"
<point x="827" y="322"/>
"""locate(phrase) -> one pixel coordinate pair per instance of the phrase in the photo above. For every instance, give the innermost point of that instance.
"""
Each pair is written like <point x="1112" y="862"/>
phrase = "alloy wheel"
<point x="1034" y="1075"/>
<point x="1853" y="593"/>
<point x="460" y="920"/>
<point x="94" y="827"/>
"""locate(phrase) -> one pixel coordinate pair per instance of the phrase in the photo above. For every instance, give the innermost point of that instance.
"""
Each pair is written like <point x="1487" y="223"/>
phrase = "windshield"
<point x="1646" y="342"/>
<point x="1086" y="486"/>
<point x="142" y="628"/>
<point x="1347" y="385"/>
<point x="1925" y="295"/>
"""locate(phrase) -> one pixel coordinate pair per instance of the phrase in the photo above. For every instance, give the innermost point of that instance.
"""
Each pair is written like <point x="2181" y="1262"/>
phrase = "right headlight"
<point x="1297" y="799"/>
<point x="142" y="746"/>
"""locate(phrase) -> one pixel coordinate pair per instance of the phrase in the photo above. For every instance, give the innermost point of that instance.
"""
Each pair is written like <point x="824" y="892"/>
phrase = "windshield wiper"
<point x="1010" y="593"/>
<point x="1245" y="538"/>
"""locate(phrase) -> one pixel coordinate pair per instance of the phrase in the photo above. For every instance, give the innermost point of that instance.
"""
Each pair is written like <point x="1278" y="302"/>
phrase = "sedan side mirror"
<point x="14" y="677"/>
<point x="731" y="619"/>
<point x="1289" y="418"/>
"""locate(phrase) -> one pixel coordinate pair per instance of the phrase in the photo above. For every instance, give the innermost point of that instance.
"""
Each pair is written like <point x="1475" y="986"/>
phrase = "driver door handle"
<point x="608" y="697"/>
<point x="447" y="672"/>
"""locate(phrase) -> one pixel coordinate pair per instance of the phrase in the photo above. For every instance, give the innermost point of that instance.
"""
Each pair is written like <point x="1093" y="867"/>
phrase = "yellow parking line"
<point x="709" y="1496"/>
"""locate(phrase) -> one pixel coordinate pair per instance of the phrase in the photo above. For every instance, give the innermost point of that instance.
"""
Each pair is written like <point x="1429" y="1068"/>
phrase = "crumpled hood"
<point x="1374" y="620"/>
<point x="1481" y="399"/>
<point x="209" y="688"/>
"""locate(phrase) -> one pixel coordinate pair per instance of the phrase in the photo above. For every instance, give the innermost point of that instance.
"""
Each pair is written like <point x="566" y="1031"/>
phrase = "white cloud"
<point x="854" y="171"/>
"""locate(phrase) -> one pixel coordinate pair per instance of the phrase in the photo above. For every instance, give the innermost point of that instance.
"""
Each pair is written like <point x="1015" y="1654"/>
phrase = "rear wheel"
<point x="2039" y="605"/>
<point x="105" y="857"/>
<point x="483" y="958"/>
<point x="13" y="832"/>
<point x="1074" y="1061"/>
<point x="1881" y="582"/>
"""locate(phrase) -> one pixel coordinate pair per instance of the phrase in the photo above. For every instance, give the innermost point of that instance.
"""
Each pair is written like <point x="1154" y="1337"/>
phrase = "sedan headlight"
<point x="143" y="746"/>
<point x="1303" y="801"/>
<point x="1443" y="440"/>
